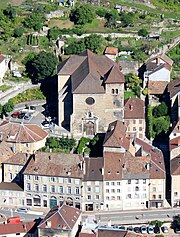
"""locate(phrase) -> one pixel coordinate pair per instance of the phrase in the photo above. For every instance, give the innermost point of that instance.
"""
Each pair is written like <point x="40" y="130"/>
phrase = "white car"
<point x="150" y="229"/>
<point x="164" y="229"/>
<point x="143" y="229"/>
<point x="47" y="124"/>
<point x="22" y="210"/>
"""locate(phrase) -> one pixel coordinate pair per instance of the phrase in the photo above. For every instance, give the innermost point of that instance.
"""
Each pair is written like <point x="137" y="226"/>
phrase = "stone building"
<point x="90" y="93"/>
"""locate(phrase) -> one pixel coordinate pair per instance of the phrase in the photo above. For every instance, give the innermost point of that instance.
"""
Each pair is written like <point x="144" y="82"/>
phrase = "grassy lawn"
<point x="4" y="3"/>
<point x="167" y="14"/>
<point x="5" y="87"/>
<point x="61" y="23"/>
<point x="96" y="26"/>
<point x="170" y="34"/>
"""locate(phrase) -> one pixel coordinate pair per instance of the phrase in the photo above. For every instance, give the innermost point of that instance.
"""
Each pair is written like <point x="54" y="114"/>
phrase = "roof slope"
<point x="21" y="133"/>
<point x="157" y="87"/>
<point x="174" y="87"/>
<point x="17" y="159"/>
<point x="64" y="217"/>
<point x="23" y="227"/>
<point x="175" y="166"/>
<point x="10" y="186"/>
<point x="54" y="164"/>
<point x="93" y="169"/>
<point x="164" y="57"/>
<point x="134" y="109"/>
<point x="88" y="72"/>
<point x="116" y="135"/>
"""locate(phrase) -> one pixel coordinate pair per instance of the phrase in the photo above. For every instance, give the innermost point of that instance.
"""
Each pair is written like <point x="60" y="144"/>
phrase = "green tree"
<point x="34" y="21"/>
<point x="82" y="14"/>
<point x="10" y="12"/>
<point x="1" y="108"/>
<point x="128" y="19"/>
<point x="161" y="124"/>
<point x="18" y="32"/>
<point x="143" y="32"/>
<point x="133" y="83"/>
<point x="94" y="42"/>
<point x="41" y="66"/>
<point x="160" y="110"/>
<point x="52" y="142"/>
<point x="8" y="107"/>
<point x="53" y="33"/>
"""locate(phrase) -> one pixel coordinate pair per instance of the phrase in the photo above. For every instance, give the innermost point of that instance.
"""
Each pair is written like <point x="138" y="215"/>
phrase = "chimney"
<point x="157" y="60"/>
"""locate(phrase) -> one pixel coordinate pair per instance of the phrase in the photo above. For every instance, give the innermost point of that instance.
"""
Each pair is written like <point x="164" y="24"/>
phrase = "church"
<point x="90" y="94"/>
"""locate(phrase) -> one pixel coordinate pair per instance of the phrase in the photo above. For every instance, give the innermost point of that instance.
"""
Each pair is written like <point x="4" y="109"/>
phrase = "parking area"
<point x="148" y="230"/>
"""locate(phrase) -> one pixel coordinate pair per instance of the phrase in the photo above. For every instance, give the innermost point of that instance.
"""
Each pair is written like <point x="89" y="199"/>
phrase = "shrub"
<point x="160" y="110"/>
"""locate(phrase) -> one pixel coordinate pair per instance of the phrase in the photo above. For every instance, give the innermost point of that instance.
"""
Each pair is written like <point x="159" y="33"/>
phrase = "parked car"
<point x="47" y="124"/>
<point x="150" y="229"/>
<point x="130" y="228"/>
<point x="31" y="107"/>
<point x="164" y="229"/>
<point x="177" y="230"/>
<point x="22" y="209"/>
<point x="15" y="114"/>
<point x="143" y="229"/>
<point x="137" y="229"/>
<point x="27" y="116"/>
<point x="156" y="229"/>
<point x="21" y="115"/>
<point x="122" y="227"/>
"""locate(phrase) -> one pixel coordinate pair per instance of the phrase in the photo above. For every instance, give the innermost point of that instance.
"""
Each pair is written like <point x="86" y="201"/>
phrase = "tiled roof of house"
<point x="23" y="227"/>
<point x="89" y="71"/>
<point x="110" y="232"/>
<point x="17" y="159"/>
<point x="116" y="135"/>
<point x="157" y="170"/>
<point x="5" y="151"/>
<point x="10" y="186"/>
<point x="64" y="217"/>
<point x="81" y="234"/>
<point x="164" y="57"/>
<point x="1" y="58"/>
<point x="156" y="87"/>
<point x="175" y="165"/>
<point x="174" y="143"/>
<point x="93" y="169"/>
<point x="21" y="133"/>
<point x="114" y="76"/>
<point x="134" y="109"/>
<point x="55" y="164"/>
<point x="174" y="87"/>
<point x="111" y="50"/>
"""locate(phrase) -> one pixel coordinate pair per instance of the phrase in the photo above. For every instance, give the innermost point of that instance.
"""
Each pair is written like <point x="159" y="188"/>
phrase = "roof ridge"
<point x="33" y="131"/>
<point x="64" y="219"/>
<point x="26" y="129"/>
<point x="20" y="125"/>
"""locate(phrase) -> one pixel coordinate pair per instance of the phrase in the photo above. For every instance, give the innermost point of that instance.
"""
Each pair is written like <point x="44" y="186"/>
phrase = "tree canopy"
<point x="133" y="83"/>
<point x="34" y="21"/>
<point x="143" y="32"/>
<point x="160" y="110"/>
<point x="40" y="66"/>
<point x="82" y="14"/>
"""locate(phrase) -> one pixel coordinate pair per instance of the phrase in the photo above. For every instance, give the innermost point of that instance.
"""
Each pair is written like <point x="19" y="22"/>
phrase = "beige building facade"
<point x="91" y="94"/>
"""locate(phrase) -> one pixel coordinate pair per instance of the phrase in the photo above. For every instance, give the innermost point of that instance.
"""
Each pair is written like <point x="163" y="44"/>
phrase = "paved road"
<point x="133" y="217"/>
<point x="23" y="216"/>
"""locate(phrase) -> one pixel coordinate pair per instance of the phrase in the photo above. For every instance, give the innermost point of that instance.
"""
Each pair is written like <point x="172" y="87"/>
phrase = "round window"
<point x="90" y="101"/>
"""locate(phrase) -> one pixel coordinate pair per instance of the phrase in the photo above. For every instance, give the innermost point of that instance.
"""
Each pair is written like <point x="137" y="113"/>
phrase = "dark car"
<point x="177" y="230"/>
<point x="27" y="116"/>
<point x="15" y="114"/>
<point x="137" y="230"/>
<point x="156" y="229"/>
<point x="122" y="227"/>
<point x="21" y="115"/>
<point x="130" y="228"/>
<point x="31" y="107"/>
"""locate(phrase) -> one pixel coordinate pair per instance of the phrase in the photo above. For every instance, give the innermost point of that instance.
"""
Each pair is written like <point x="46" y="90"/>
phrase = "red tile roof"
<point x="174" y="87"/>
<point x="1" y="58"/>
<point x="89" y="71"/>
<point x="23" y="227"/>
<point x="94" y="168"/>
<point x="64" y="217"/>
<point x="111" y="50"/>
<point x="175" y="165"/>
<point x="156" y="87"/>
<point x="22" y="133"/>
<point x="55" y="164"/>
<point x="17" y="159"/>
<point x="116" y="135"/>
<point x="134" y="108"/>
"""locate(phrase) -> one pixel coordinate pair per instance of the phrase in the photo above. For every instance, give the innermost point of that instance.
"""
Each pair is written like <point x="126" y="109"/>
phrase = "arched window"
<point x="112" y="91"/>
<point x="116" y="91"/>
